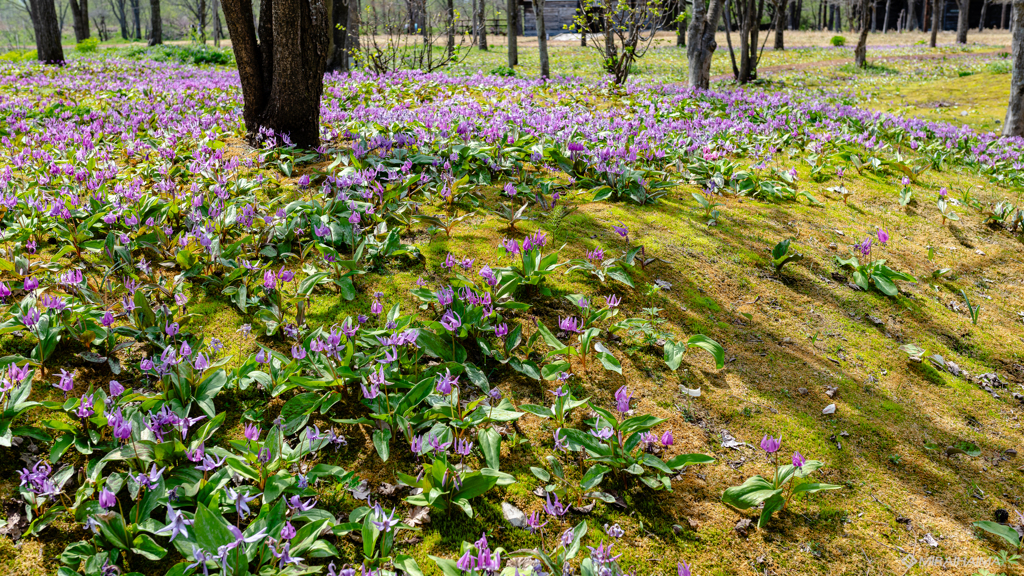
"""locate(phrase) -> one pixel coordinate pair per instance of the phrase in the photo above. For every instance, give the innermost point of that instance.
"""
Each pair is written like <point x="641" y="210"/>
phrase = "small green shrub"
<point x="506" y="71"/>
<point x="19" y="56"/>
<point x="838" y="41"/>
<point x="88" y="45"/>
<point x="999" y="67"/>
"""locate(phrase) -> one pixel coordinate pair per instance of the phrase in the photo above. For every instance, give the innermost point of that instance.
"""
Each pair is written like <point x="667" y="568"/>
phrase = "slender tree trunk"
<point x="910" y="23"/>
<point x="874" y="20"/>
<point x="780" y="24"/>
<point x="984" y="15"/>
<point x="728" y="38"/>
<point x="542" y="39"/>
<point x="481" y="36"/>
<point x="860" y="54"/>
<point x="962" y="20"/>
<point x="885" y="23"/>
<point x="337" y="47"/>
<point x="43" y="14"/>
<point x="80" y="18"/>
<point x="746" y="32"/>
<point x="936" y="13"/>
<point x="1014" y="124"/>
<point x="681" y="24"/>
<point x="1004" y="21"/>
<point x="282" y="72"/>
<point x="450" y="23"/>
<point x="702" y="43"/>
<point x="135" y="7"/>
<point x="512" y="12"/>
<point x="609" y="36"/>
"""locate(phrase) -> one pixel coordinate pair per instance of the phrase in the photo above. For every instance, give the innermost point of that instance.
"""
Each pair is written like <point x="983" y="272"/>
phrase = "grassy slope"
<point x="801" y="329"/>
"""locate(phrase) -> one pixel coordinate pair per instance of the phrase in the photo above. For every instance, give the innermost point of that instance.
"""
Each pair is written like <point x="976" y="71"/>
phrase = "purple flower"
<point x="66" y="383"/>
<point x="615" y="531"/>
<point x="298" y="352"/>
<point x="621" y="231"/>
<point x="241" y="501"/>
<point x="31" y="284"/>
<point x="798" y="459"/>
<point x="269" y="280"/>
<point x="451" y="321"/>
<point x="287" y="531"/>
<point x="666" y="438"/>
<point x="612" y="301"/>
<point x="445" y="382"/>
<point x="384" y="522"/>
<point x="107" y="499"/>
<point x="252" y="432"/>
<point x="570" y="324"/>
<point x="684" y="569"/>
<point x="176" y="524"/>
<point x="283" y="556"/>
<point x="85" y="407"/>
<point x="556" y="508"/>
<point x="771" y="445"/>
<point x="622" y="398"/>
<point x="501" y="330"/>
<point x="865" y="247"/>
<point x="533" y="522"/>
<point x="172" y="329"/>
<point x="116" y="389"/>
<point x="560" y="443"/>
<point x="883" y="236"/>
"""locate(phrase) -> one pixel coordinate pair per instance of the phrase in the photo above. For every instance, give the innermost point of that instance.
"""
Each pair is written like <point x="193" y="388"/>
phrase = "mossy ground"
<point x="803" y="328"/>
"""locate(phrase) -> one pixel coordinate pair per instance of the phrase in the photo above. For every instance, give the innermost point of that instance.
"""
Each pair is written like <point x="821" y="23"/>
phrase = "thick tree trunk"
<point x="481" y="33"/>
<point x="512" y="12"/>
<point x="80" y="18"/>
<point x="43" y="14"/>
<point x="135" y="7"/>
<point x="860" y="54"/>
<point x="911" y="19"/>
<point x="282" y="73"/>
<point x="1014" y="124"/>
<point x="542" y="39"/>
<point x="962" y="20"/>
<point x="156" y="25"/>
<point x="780" y="24"/>
<point x="936" y="13"/>
<point x="702" y="43"/>
<point x="337" y="47"/>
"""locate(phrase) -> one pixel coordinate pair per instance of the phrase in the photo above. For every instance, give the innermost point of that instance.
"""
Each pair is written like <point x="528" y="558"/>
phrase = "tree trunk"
<point x="512" y="11"/>
<point x="281" y="72"/>
<point x="936" y="13"/>
<point x="681" y="25"/>
<point x="43" y="14"/>
<point x="746" y="32"/>
<point x="136" y="19"/>
<point x="874" y="20"/>
<point x="450" y="23"/>
<point x="337" y="46"/>
<point x="542" y="39"/>
<point x="780" y="23"/>
<point x="885" y="23"/>
<point x="702" y="43"/>
<point x="156" y="25"/>
<point x="984" y="14"/>
<point x="1014" y="124"/>
<point x="1004" y="18"/>
<point x="962" y="20"/>
<point x="860" y="54"/>
<point x="609" y="37"/>
<point x="355" y="22"/>
<point x="481" y="34"/>
<point x="910" y="23"/>
<point x="215" y="13"/>
<point x="80" y="18"/>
